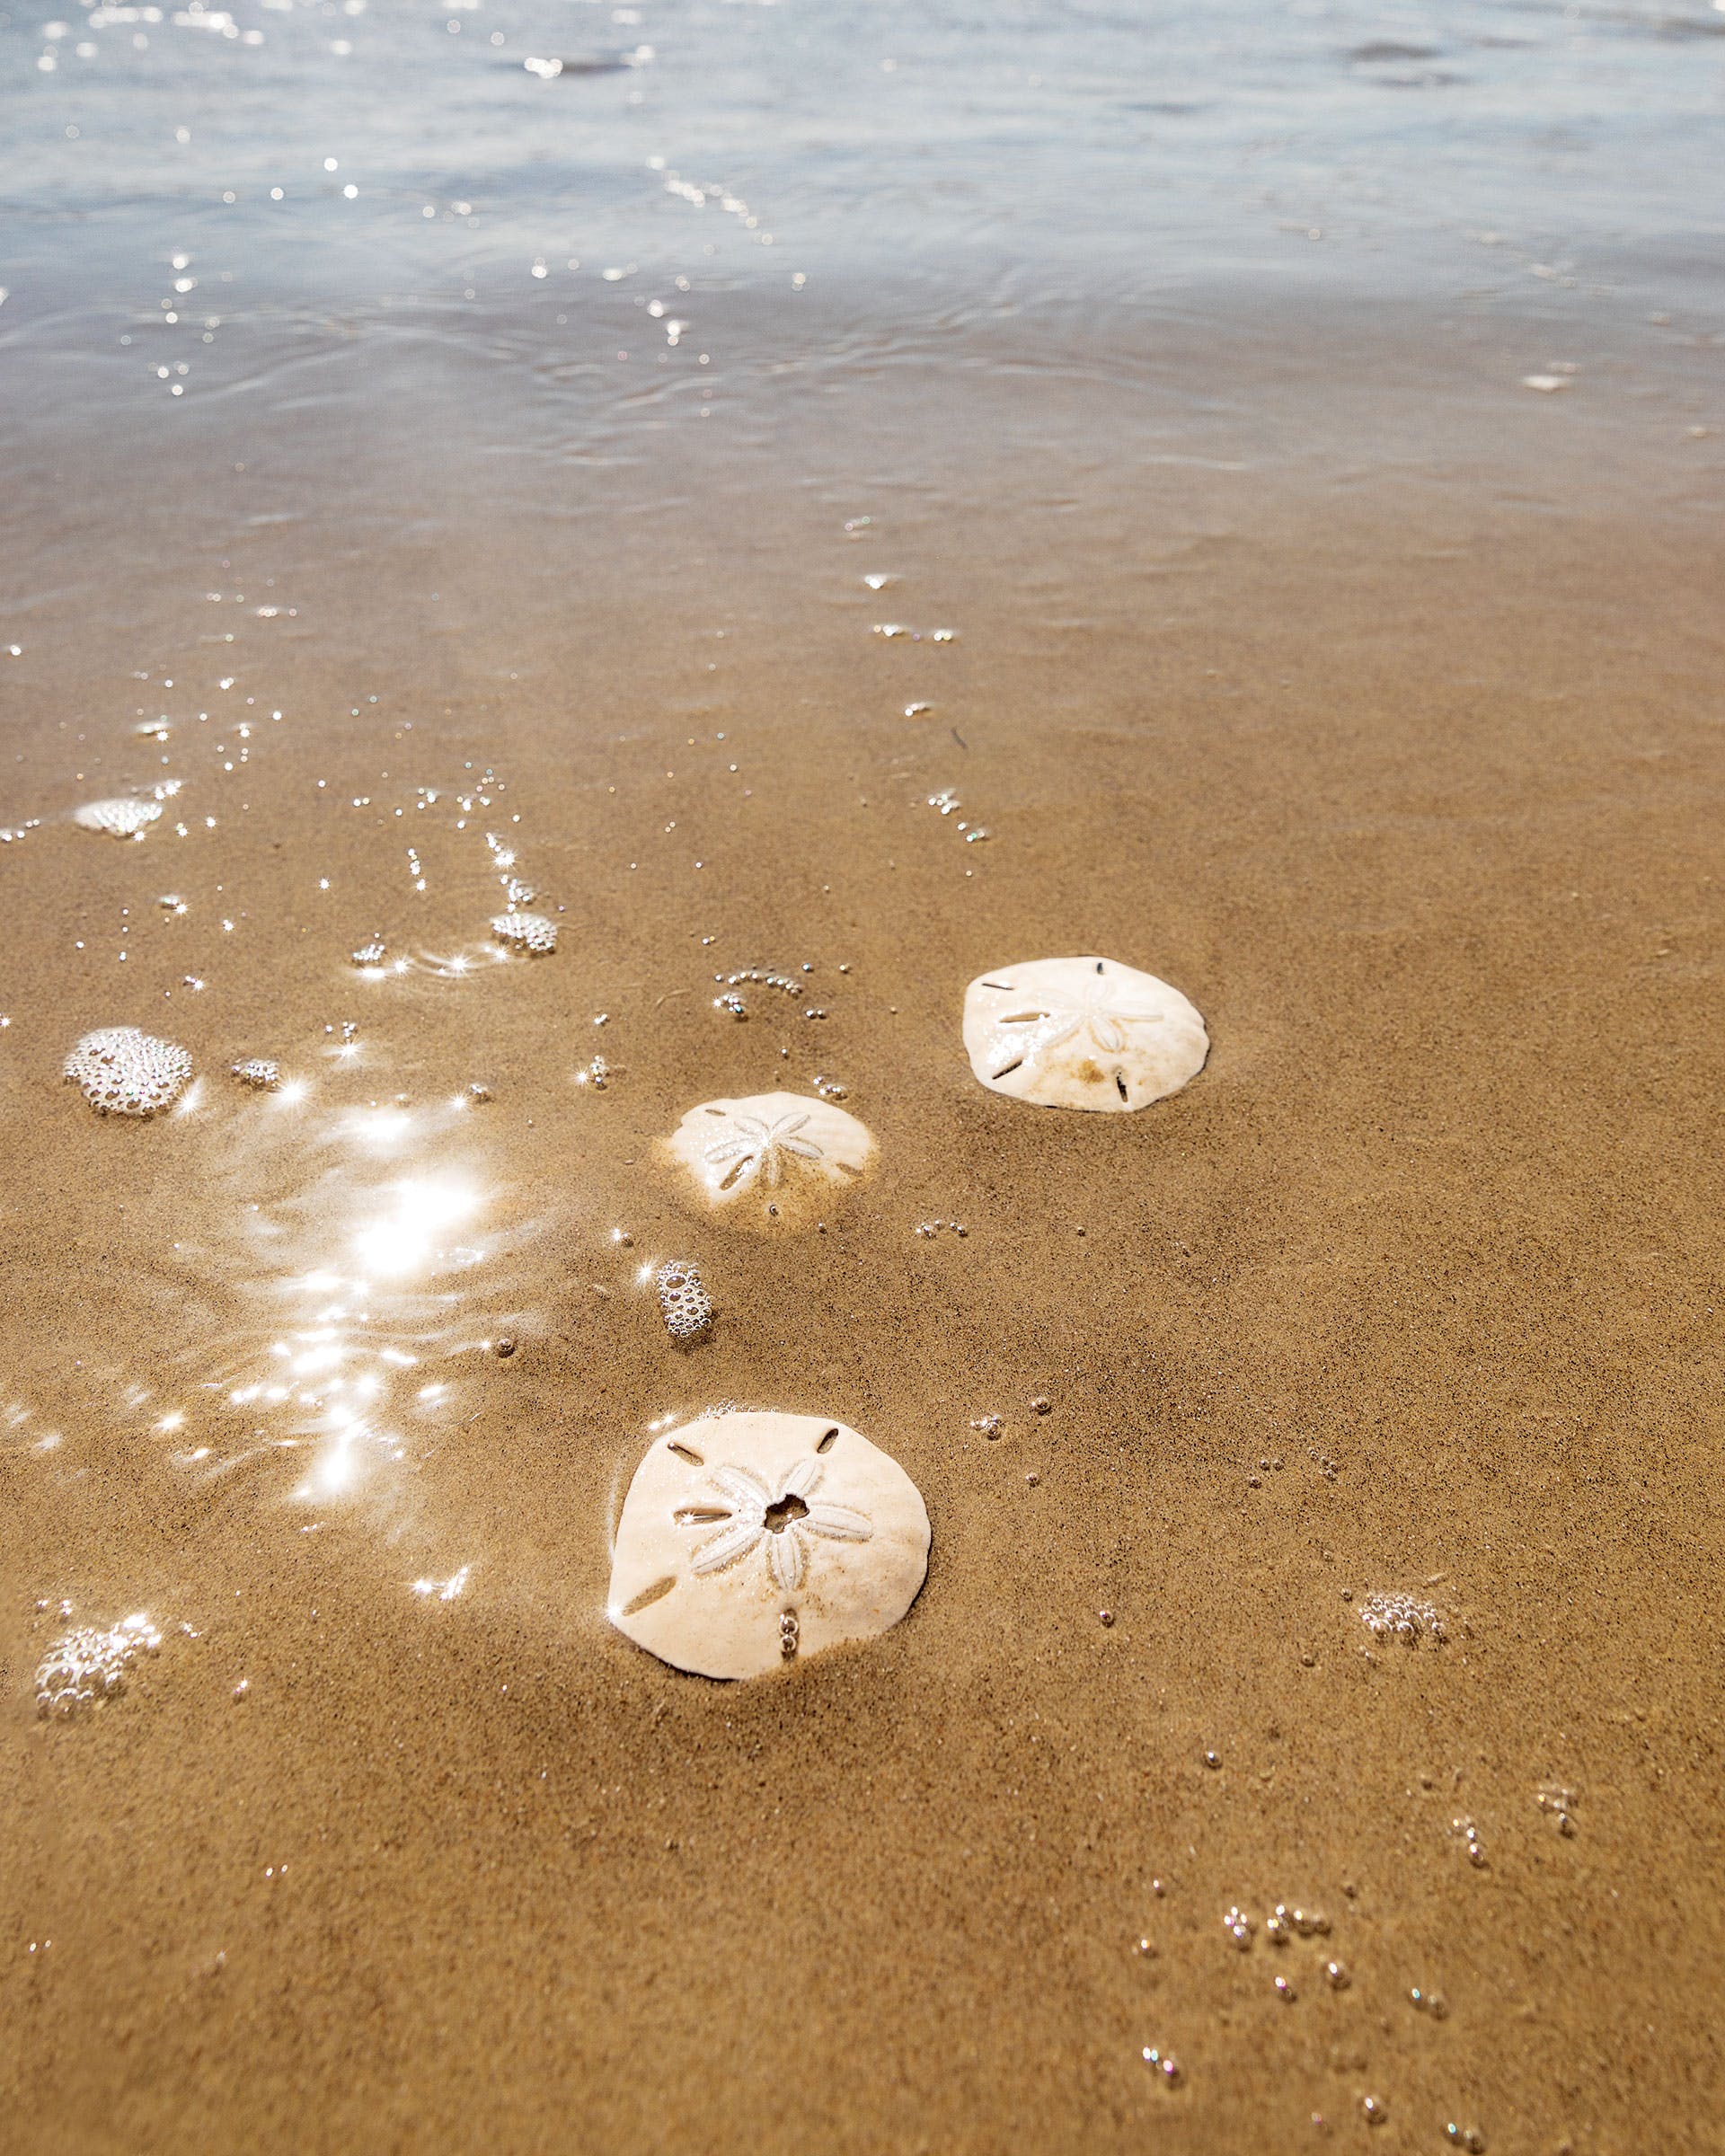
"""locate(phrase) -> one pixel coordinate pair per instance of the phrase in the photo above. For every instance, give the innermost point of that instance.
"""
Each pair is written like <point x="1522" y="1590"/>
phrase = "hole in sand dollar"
<point x="1036" y="1033"/>
<point x="648" y="1596"/>
<point x="770" y="1160"/>
<point x="769" y="1540"/>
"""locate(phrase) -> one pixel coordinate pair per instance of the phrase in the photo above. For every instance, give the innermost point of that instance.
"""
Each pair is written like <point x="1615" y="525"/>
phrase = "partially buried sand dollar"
<point x="771" y="1159"/>
<point x="1081" y="1033"/>
<point x="748" y="1540"/>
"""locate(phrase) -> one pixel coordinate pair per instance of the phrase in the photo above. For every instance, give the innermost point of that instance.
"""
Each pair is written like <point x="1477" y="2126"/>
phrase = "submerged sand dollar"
<point x="772" y="1159"/>
<point x="750" y="1540"/>
<point x="1081" y="1033"/>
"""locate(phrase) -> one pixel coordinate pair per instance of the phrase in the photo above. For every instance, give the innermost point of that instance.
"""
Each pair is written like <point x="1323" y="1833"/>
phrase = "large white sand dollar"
<point x="1081" y="1033"/>
<point x="748" y="1540"/>
<point x="771" y="1159"/>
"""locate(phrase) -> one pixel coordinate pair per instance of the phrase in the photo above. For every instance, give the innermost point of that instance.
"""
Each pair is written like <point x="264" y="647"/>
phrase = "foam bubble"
<point x="125" y="1073"/>
<point x="683" y="1300"/>
<point x="1402" y="1617"/>
<point x="125" y="817"/>
<point x="89" y="1664"/>
<point x="526" y="931"/>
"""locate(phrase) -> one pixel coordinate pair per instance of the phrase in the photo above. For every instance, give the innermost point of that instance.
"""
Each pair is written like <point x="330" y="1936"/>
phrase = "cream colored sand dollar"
<point x="749" y="1540"/>
<point x="1081" y="1033"/>
<point x="771" y="1159"/>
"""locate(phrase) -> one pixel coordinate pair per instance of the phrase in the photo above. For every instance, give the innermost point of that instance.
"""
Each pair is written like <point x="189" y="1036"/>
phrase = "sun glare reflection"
<point x="406" y="1239"/>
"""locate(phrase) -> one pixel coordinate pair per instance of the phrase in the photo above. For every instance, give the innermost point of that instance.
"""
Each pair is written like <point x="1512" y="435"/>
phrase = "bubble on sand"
<point x="1402" y="1617"/>
<point x="772" y="1159"/>
<point x="1465" y="1831"/>
<point x="526" y="931"/>
<point x="1547" y="385"/>
<point x="125" y="1073"/>
<point x="752" y="1540"/>
<point x="124" y="816"/>
<point x="1083" y="1032"/>
<point x="258" y="1072"/>
<point x="89" y="1664"/>
<point x="683" y="1302"/>
<point x="372" y="953"/>
<point x="1561" y="1802"/>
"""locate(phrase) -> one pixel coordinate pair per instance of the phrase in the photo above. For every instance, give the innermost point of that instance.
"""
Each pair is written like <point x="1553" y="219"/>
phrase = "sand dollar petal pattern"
<point x="751" y="1540"/>
<point x="1084" y="1032"/>
<point x="771" y="1159"/>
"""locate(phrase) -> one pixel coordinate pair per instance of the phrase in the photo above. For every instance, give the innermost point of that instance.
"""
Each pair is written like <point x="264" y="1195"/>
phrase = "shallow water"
<point x="1322" y="1463"/>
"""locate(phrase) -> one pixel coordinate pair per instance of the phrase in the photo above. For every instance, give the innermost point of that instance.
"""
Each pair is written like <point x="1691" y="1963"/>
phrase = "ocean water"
<point x="346" y="178"/>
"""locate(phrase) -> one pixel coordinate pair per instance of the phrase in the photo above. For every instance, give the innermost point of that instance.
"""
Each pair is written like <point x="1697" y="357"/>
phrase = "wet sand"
<point x="1413" y="1290"/>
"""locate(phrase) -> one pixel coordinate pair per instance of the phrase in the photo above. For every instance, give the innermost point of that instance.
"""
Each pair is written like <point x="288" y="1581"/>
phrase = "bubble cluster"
<point x="125" y="817"/>
<point x="370" y="954"/>
<point x="89" y="1664"/>
<point x="1560" y="1803"/>
<point x="1280" y="1925"/>
<point x="760" y="977"/>
<point x="258" y="1072"/>
<point x="1464" y="1830"/>
<point x="125" y="1073"/>
<point x="1402" y="1617"/>
<point x="684" y="1301"/>
<point x="530" y="932"/>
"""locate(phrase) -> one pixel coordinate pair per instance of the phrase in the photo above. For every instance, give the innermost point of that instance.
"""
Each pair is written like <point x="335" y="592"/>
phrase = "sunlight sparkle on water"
<point x="405" y="1240"/>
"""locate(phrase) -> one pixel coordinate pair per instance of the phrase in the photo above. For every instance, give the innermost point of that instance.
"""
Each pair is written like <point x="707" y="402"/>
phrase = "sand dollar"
<point x="748" y="1540"/>
<point x="771" y="1159"/>
<point x="1081" y="1033"/>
